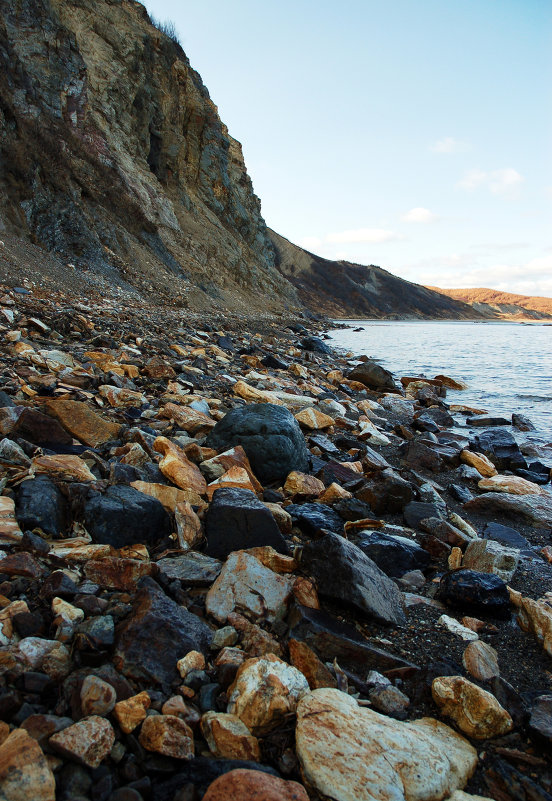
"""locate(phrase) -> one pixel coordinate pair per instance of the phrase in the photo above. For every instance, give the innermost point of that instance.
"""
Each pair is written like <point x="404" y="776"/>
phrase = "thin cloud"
<point x="372" y="235"/>
<point x="448" y="145"/>
<point x="419" y="215"/>
<point x="499" y="182"/>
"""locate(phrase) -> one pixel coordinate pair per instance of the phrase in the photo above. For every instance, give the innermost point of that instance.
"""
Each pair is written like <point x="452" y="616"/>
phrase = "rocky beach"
<point x="235" y="563"/>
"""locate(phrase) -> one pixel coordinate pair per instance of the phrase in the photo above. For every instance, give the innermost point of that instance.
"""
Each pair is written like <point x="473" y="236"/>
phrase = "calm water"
<point x="507" y="366"/>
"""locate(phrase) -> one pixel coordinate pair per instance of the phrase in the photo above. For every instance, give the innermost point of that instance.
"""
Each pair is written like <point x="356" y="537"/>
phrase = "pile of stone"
<point x="214" y="546"/>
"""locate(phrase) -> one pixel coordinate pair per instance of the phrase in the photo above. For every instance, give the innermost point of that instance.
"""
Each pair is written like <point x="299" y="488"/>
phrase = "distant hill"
<point x="343" y="289"/>
<point x="504" y="305"/>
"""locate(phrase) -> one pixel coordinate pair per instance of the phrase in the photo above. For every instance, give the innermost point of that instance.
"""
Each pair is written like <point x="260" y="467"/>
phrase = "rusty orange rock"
<point x="176" y="466"/>
<point x="167" y="735"/>
<point x="119" y="574"/>
<point x="132" y="711"/>
<point x="252" y="785"/>
<point x="305" y="660"/>
<point x="63" y="466"/>
<point x="83" y="422"/>
<point x="298" y="483"/>
<point x="229" y="738"/>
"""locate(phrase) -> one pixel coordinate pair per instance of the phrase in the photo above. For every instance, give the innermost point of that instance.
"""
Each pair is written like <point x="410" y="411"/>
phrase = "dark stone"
<point x="331" y="639"/>
<point x="10" y="701"/>
<point x="272" y="496"/>
<point x="40" y="504"/>
<point x="522" y="423"/>
<point x="373" y="376"/>
<point x="487" y="420"/>
<point x="158" y="633"/>
<point x="274" y="363"/>
<point x="460" y="493"/>
<point x="345" y="574"/>
<point x="29" y="624"/>
<point x="444" y="531"/>
<point x="123" y="516"/>
<point x="324" y="443"/>
<point x="352" y="509"/>
<point x="35" y="682"/>
<point x="34" y="544"/>
<point x="540" y="722"/>
<point x="435" y="414"/>
<point x="506" y="783"/>
<point x="198" y="774"/>
<point x="479" y="593"/>
<point x="340" y="474"/>
<point x="386" y="493"/>
<point x="416" y="511"/>
<point x="392" y="554"/>
<point x="506" y="536"/>
<point x="208" y="695"/>
<point x="237" y="520"/>
<point x="98" y="632"/>
<point x="193" y="568"/>
<point x="270" y="436"/>
<point x="315" y="345"/>
<point x="226" y="343"/>
<point x="536" y="478"/>
<point x="501" y="448"/>
<point x="126" y="794"/>
<point x="510" y="699"/>
<point x="40" y="429"/>
<point x="312" y="518"/>
<point x="41" y="727"/>
<point x="59" y="584"/>
<point x="419" y="454"/>
<point x="5" y="400"/>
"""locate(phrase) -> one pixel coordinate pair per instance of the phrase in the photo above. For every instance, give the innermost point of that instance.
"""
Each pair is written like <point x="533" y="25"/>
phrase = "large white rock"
<point x="488" y="556"/>
<point x="246" y="585"/>
<point x="351" y="753"/>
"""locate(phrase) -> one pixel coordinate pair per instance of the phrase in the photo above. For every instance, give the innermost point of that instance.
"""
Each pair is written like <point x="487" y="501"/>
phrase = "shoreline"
<point x="350" y="536"/>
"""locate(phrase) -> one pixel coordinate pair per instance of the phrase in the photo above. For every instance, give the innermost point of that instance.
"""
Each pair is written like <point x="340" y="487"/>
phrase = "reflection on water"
<point x="507" y="366"/>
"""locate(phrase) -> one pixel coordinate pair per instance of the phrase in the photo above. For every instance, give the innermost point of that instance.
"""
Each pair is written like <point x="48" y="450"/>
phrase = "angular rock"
<point x="188" y="419"/>
<point x="40" y="504"/>
<point x="41" y="430"/>
<point x="237" y="520"/>
<point x="97" y="696"/>
<point x="349" y="753"/>
<point x="244" y="584"/>
<point x="270" y="436"/>
<point x="474" y="592"/>
<point x="251" y="785"/>
<point x="344" y="573"/>
<point x="157" y="633"/>
<point x="24" y="771"/>
<point x="534" y="616"/>
<point x="176" y="466"/>
<point x="475" y="711"/>
<point x="487" y="556"/>
<point x="457" y="629"/>
<point x="506" y="536"/>
<point x="313" y="518"/>
<point x="537" y="509"/>
<point x="301" y="484"/>
<point x="388" y="492"/>
<point x="167" y="735"/>
<point x="87" y="742"/>
<point x="314" y="419"/>
<point x="132" y="711"/>
<point x="540" y="722"/>
<point x="385" y="697"/>
<point x="305" y="660"/>
<point x="64" y="467"/>
<point x="9" y="529"/>
<point x="393" y="554"/>
<point x="192" y="568"/>
<point x="501" y="448"/>
<point x="118" y="574"/>
<point x="513" y="485"/>
<point x="482" y="464"/>
<point x="228" y="737"/>
<point x="123" y="516"/>
<point x="264" y="691"/>
<point x="82" y="422"/>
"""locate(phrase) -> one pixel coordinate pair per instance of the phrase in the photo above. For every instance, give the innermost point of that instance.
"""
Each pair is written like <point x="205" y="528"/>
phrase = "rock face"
<point x="136" y="166"/>
<point x="270" y="436"/>
<point x="343" y="572"/>
<point x="353" y="754"/>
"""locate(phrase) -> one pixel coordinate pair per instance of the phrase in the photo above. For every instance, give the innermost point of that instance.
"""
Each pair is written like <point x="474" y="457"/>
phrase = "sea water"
<point x="507" y="366"/>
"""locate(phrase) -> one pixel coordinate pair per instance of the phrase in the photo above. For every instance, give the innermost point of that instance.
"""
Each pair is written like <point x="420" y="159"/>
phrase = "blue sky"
<point x="412" y="135"/>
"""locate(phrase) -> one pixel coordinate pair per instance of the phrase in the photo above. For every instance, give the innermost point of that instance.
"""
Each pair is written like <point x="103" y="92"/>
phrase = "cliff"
<point x="343" y="289"/>
<point x="502" y="305"/>
<point x="113" y="157"/>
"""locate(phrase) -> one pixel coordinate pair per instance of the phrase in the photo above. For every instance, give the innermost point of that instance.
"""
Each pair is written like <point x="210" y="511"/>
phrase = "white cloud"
<point x="419" y="215"/>
<point x="448" y="145"/>
<point x="309" y="242"/>
<point x="498" y="182"/>
<point x="373" y="235"/>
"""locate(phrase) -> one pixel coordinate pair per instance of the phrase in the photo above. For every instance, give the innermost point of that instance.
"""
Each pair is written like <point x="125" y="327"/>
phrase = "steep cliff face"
<point x="113" y="157"/>
<point x="343" y="289"/>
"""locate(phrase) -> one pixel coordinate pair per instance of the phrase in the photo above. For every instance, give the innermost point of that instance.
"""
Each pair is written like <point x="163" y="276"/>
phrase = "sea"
<point x="507" y="366"/>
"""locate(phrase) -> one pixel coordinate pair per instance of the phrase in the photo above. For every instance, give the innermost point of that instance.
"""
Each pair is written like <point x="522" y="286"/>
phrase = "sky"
<point x="412" y="135"/>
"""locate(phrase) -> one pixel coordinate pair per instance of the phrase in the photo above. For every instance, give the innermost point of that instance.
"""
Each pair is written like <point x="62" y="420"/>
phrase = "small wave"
<point x="538" y="398"/>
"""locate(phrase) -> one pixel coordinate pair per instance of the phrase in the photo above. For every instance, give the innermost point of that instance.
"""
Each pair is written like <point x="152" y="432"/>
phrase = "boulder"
<point x="474" y="592"/>
<point x="193" y="568"/>
<point x="393" y="554"/>
<point x="245" y="584"/>
<point x="40" y="504"/>
<point x="156" y="634"/>
<point x="313" y="518"/>
<point x="386" y="493"/>
<point x="265" y="690"/>
<point x="315" y="345"/>
<point x="252" y="785"/>
<point x="476" y="712"/>
<point x="123" y="516"/>
<point x="167" y="735"/>
<point x="513" y="485"/>
<point x="350" y="753"/>
<point x="373" y="376"/>
<point x="87" y="742"/>
<point x="270" y="436"/>
<point x="345" y="574"/>
<point x="537" y="509"/>
<point x="237" y="520"/>
<point x="500" y="447"/>
<point x="487" y="556"/>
